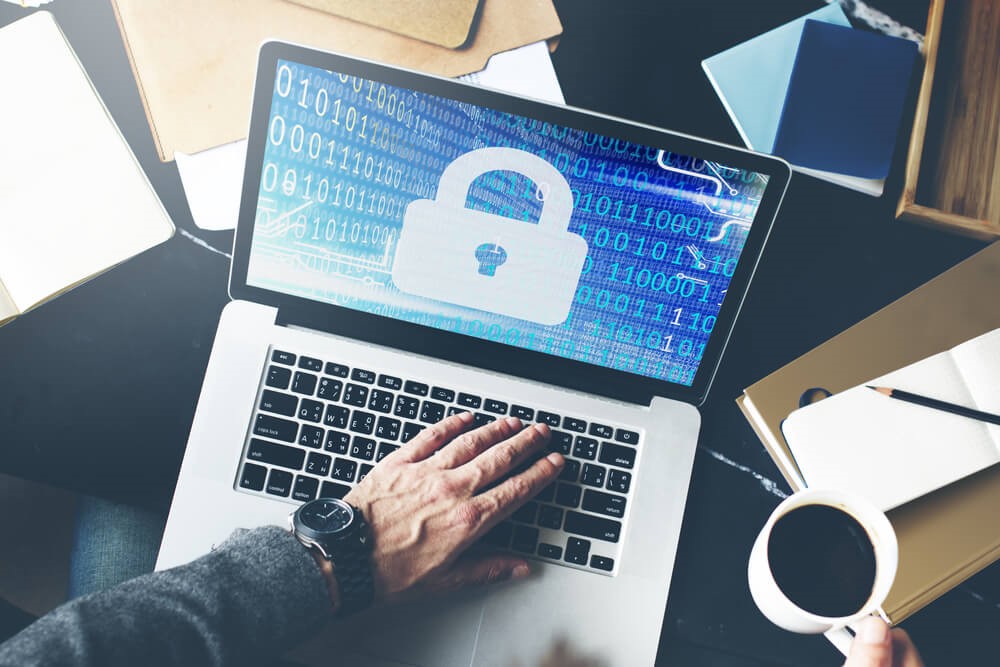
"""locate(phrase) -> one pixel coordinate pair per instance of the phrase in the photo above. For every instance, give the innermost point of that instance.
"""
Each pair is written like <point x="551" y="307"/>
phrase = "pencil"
<point x="937" y="404"/>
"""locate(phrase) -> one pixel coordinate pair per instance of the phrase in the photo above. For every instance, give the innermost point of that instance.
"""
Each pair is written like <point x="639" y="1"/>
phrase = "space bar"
<point x="592" y="526"/>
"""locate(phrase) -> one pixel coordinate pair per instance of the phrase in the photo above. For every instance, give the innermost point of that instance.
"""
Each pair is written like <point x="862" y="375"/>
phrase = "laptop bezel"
<point x="461" y="348"/>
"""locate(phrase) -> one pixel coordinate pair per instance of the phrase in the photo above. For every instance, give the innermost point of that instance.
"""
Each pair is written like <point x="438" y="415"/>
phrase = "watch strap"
<point x="352" y="568"/>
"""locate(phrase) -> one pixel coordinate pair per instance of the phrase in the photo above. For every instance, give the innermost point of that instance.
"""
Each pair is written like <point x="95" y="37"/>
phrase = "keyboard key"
<point x="336" y="416"/>
<point x="604" y="503"/>
<point x="361" y="375"/>
<point x="329" y="389"/>
<point x="525" y="539"/>
<point x="570" y="471"/>
<point x="577" y="551"/>
<point x="431" y="412"/>
<point x="593" y="475"/>
<point x="311" y="436"/>
<point x="275" y="454"/>
<point x="283" y="357"/>
<point x="550" y="418"/>
<point x="344" y="469"/>
<point x="628" y="437"/>
<point x="282" y="404"/>
<point x="601" y="431"/>
<point x="311" y="364"/>
<point x="415" y="388"/>
<point x="526" y="513"/>
<point x="276" y="427"/>
<point x="278" y="377"/>
<point x="279" y="483"/>
<point x="442" y="394"/>
<point x="406" y="407"/>
<point x="381" y="401"/>
<point x="387" y="428"/>
<point x="482" y="419"/>
<point x="362" y="422"/>
<point x="363" y="448"/>
<point x="337" y="442"/>
<point x="305" y="488"/>
<point x="521" y="412"/>
<point x="310" y="410"/>
<point x="384" y="449"/>
<point x="550" y="517"/>
<point x="355" y="394"/>
<point x="495" y="406"/>
<point x="337" y="370"/>
<point x="619" y="480"/>
<point x="363" y="471"/>
<point x="584" y="447"/>
<point x="561" y="442"/>
<point x="410" y="431"/>
<point x="333" y="490"/>
<point x="304" y="383"/>
<point x="500" y="535"/>
<point x="592" y="526"/>
<point x="455" y="410"/>
<point x="573" y="424"/>
<point x="253" y="477"/>
<point x="602" y="563"/>
<point x="469" y="401"/>
<point x="568" y="495"/>
<point x="616" y="455"/>
<point x="547" y="494"/>
<point x="318" y="464"/>
<point x="390" y="382"/>
<point x="550" y="551"/>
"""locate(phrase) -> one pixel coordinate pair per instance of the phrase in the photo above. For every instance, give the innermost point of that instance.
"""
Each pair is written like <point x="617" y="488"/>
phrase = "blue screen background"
<point x="345" y="157"/>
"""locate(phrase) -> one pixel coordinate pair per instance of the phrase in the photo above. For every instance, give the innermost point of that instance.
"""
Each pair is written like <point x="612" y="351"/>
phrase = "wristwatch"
<point x="337" y="531"/>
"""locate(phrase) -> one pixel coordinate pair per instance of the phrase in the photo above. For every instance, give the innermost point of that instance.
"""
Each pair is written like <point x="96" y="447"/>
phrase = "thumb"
<point x="477" y="570"/>
<point x="871" y="646"/>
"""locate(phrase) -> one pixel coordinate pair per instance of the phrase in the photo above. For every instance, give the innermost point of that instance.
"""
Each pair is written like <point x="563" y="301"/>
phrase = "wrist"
<point x="326" y="569"/>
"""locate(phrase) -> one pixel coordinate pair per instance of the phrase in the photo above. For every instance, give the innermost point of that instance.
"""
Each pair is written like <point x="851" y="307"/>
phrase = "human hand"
<point x="425" y="509"/>
<point x="876" y="646"/>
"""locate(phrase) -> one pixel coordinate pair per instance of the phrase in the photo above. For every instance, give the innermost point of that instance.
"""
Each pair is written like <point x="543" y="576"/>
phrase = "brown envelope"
<point x="194" y="61"/>
<point x="442" y="22"/>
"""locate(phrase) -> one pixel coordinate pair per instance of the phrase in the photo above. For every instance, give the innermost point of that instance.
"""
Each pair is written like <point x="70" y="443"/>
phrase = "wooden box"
<point x="952" y="179"/>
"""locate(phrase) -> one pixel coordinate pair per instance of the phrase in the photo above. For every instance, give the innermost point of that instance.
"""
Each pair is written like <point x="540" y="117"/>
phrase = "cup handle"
<point x="841" y="638"/>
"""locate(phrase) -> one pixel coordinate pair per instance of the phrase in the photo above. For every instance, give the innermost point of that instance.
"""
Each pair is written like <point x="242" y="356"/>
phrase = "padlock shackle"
<point x="457" y="178"/>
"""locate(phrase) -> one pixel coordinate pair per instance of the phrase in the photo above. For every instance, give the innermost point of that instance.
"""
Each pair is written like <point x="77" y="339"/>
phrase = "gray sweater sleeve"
<point x="255" y="596"/>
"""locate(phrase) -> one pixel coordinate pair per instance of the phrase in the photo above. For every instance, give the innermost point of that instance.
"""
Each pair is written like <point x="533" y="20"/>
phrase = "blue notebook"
<point x="751" y="78"/>
<point x="845" y="100"/>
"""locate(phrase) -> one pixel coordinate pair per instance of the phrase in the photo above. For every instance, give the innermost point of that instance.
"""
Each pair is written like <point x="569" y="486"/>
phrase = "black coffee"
<point x="822" y="560"/>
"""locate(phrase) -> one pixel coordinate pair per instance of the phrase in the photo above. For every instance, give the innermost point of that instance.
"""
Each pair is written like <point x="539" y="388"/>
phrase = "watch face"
<point x="326" y="515"/>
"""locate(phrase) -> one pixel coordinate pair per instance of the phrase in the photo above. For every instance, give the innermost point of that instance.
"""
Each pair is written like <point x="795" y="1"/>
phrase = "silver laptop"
<point x="410" y="247"/>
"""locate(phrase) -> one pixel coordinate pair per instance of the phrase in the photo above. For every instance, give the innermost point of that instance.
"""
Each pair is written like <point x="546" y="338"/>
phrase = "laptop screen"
<point x="495" y="225"/>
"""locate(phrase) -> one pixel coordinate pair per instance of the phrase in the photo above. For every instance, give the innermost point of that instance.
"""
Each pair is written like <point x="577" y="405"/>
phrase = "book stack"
<point x="820" y="94"/>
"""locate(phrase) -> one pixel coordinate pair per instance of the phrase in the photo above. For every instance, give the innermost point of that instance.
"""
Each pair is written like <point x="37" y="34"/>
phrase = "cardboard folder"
<point x="951" y="534"/>
<point x="443" y="22"/>
<point x="194" y="61"/>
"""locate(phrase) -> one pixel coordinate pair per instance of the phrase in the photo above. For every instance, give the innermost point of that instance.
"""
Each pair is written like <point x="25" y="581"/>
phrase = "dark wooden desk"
<point x="99" y="386"/>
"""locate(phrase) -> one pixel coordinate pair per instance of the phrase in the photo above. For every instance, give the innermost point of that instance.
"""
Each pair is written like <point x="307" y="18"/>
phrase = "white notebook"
<point x="73" y="199"/>
<point x="892" y="451"/>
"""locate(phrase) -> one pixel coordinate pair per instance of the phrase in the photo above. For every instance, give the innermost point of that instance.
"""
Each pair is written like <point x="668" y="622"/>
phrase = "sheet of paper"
<point x="213" y="179"/>
<point x="892" y="451"/>
<point x="73" y="198"/>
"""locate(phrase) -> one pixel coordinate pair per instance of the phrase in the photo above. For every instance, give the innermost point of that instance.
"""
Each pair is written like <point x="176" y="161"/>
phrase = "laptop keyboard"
<point x="320" y="426"/>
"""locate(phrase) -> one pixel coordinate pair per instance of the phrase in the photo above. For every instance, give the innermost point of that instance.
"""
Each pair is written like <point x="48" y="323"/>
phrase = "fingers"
<point x="434" y="437"/>
<point x="501" y="459"/>
<point x="469" y="445"/>
<point x="478" y="570"/>
<point x="503" y="500"/>
<point x="871" y="646"/>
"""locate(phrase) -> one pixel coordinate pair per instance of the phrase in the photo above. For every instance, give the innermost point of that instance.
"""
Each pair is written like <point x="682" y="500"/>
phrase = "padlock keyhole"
<point x="490" y="256"/>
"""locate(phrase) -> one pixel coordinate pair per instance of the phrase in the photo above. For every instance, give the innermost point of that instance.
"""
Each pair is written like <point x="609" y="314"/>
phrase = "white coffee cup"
<point x="781" y="611"/>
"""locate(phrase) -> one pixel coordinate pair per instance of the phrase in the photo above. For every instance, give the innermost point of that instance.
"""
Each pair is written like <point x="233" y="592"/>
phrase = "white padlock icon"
<point x="480" y="260"/>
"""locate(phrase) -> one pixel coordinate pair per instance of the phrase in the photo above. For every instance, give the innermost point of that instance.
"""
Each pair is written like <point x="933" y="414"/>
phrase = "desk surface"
<point x="100" y="385"/>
